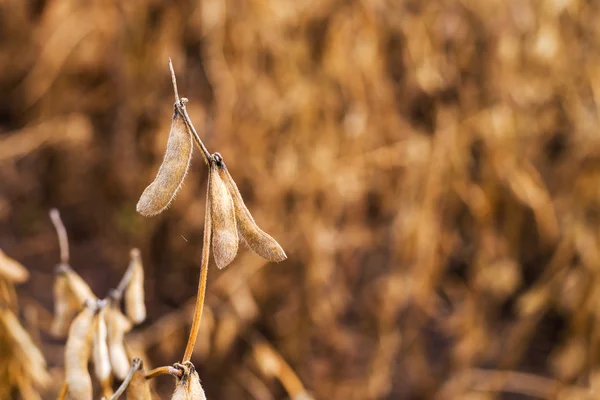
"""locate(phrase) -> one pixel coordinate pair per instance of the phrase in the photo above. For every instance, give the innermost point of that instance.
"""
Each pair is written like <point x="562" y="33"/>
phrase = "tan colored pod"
<point x="258" y="240"/>
<point x="65" y="307"/>
<point x="102" y="367"/>
<point x="138" y="388"/>
<point x="118" y="324"/>
<point x="79" y="288"/>
<point x="135" y="306"/>
<point x="224" y="235"/>
<point x="189" y="387"/>
<point x="159" y="194"/>
<point x="24" y="348"/>
<point x="77" y="355"/>
<point x="12" y="270"/>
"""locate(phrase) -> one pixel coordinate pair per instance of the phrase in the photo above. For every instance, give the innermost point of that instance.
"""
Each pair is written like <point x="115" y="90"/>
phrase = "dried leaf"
<point x="12" y="270"/>
<point x="77" y="355"/>
<point x="159" y="194"/>
<point x="118" y="324"/>
<point x="225" y="238"/>
<point x="138" y="388"/>
<point x="135" y="306"/>
<point x="258" y="240"/>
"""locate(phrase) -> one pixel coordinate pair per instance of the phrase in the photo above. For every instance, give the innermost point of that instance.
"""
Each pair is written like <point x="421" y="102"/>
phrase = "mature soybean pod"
<point x="135" y="307"/>
<point x="65" y="306"/>
<point x="100" y="356"/>
<point x="77" y="355"/>
<point x="159" y="194"/>
<point x="79" y="288"/>
<point x="224" y="236"/>
<point x="189" y="388"/>
<point x="118" y="325"/>
<point x="138" y="388"/>
<point x="258" y="240"/>
<point x="12" y="269"/>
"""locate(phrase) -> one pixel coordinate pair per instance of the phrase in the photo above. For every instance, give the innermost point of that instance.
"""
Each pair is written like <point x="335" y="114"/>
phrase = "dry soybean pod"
<point x="224" y="236"/>
<point x="77" y="355"/>
<point x="258" y="240"/>
<point x="65" y="307"/>
<point x="159" y="194"/>
<point x="135" y="306"/>
<point x="118" y="325"/>
<point x="78" y="287"/>
<point x="12" y="270"/>
<point x="188" y="386"/>
<point x="138" y="388"/>
<point x="100" y="356"/>
<point x="24" y="347"/>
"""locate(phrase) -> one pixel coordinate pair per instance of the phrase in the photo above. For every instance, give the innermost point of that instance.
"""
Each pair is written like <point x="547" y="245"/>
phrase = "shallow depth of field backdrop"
<point x="432" y="169"/>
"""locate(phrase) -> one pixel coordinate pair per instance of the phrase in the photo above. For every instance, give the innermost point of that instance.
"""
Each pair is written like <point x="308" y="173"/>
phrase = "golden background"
<point x="432" y="169"/>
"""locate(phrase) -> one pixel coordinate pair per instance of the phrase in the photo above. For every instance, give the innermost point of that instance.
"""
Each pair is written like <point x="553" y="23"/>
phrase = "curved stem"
<point x="63" y="241"/>
<point x="189" y="349"/>
<point x="166" y="370"/>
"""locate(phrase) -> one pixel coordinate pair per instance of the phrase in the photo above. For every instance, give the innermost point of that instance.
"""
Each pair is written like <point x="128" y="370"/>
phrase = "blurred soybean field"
<point x="432" y="169"/>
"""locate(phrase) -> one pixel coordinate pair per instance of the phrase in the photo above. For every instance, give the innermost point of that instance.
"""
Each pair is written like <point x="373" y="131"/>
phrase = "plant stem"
<point x="62" y="395"/>
<point x="189" y="349"/>
<point x="166" y="370"/>
<point x="180" y="106"/>
<point x="117" y="293"/>
<point x="63" y="241"/>
<point x="135" y="365"/>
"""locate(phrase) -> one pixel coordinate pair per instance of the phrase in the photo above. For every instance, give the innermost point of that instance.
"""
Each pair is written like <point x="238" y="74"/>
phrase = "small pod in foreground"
<point x="100" y="356"/>
<point x="12" y="270"/>
<point x="118" y="325"/>
<point x="159" y="194"/>
<point x="77" y="355"/>
<point x="65" y="307"/>
<point x="135" y="306"/>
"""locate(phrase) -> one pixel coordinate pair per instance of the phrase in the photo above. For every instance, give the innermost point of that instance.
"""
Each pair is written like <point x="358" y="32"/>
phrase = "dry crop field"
<point x="431" y="170"/>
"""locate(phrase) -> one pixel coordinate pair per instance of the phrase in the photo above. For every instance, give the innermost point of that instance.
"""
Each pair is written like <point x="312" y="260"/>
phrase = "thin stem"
<point x="180" y="106"/>
<point x="135" y="365"/>
<point x="174" y="82"/>
<point x="62" y="395"/>
<point x="166" y="370"/>
<point x="189" y="349"/>
<point x="63" y="241"/>
<point x="117" y="293"/>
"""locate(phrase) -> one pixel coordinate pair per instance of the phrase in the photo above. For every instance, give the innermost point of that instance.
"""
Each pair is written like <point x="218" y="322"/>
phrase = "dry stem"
<point x="166" y="370"/>
<point x="135" y="365"/>
<point x="117" y="294"/>
<point x="63" y="241"/>
<point x="189" y="349"/>
<point x="180" y="105"/>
